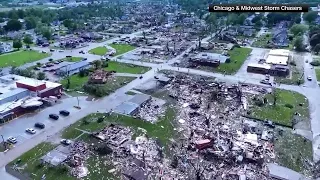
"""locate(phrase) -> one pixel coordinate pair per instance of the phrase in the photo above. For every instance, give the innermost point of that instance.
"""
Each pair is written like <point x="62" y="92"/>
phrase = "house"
<point x="71" y="69"/>
<point x="280" y="37"/>
<point x="91" y="36"/>
<point x="209" y="59"/>
<point x="5" y="47"/>
<point x="99" y="76"/>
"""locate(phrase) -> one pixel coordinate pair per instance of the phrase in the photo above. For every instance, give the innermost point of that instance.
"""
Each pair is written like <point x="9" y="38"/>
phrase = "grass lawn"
<point x="122" y="48"/>
<point x="153" y="130"/>
<point x="126" y="68"/>
<point x="72" y="59"/>
<point x="280" y="113"/>
<point x="291" y="150"/>
<point x="317" y="73"/>
<point x="130" y="93"/>
<point x="76" y="82"/>
<point x="262" y="41"/>
<point x="21" y="57"/>
<point x="237" y="57"/>
<point x="99" y="51"/>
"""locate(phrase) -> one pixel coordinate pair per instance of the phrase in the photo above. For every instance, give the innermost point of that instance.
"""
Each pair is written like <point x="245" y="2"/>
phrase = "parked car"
<point x="309" y="78"/>
<point x="65" y="142"/>
<point x="56" y="62"/>
<point x="51" y="50"/>
<point x="64" y="113"/>
<point x="54" y="116"/>
<point x="52" y="70"/>
<point x="30" y="130"/>
<point x="39" y="125"/>
<point x="140" y="77"/>
<point x="60" y="50"/>
<point x="265" y="82"/>
<point x="12" y="140"/>
<point x="36" y="68"/>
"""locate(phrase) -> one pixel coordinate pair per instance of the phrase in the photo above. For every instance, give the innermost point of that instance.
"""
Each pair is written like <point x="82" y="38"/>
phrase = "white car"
<point x="31" y="131"/>
<point x="309" y="78"/>
<point x="65" y="141"/>
<point x="12" y="140"/>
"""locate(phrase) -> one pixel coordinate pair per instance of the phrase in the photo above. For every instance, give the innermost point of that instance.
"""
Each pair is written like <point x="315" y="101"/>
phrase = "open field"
<point x="287" y="103"/>
<point x="21" y="57"/>
<point x="121" y="48"/>
<point x="237" y="57"/>
<point x="126" y="68"/>
<point x="292" y="150"/>
<point x="99" y="51"/>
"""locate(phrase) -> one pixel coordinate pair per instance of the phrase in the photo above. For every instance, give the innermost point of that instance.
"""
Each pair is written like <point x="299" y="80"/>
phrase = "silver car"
<point x="31" y="131"/>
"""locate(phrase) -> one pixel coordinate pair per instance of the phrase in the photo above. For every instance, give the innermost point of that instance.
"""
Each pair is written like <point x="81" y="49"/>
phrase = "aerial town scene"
<point x="158" y="90"/>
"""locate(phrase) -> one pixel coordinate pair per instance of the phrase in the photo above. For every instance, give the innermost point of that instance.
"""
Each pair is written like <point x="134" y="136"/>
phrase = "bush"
<point x="258" y="102"/>
<point x="85" y="122"/>
<point x="228" y="60"/>
<point x="315" y="63"/>
<point x="267" y="35"/>
<point x="290" y="106"/>
<point x="39" y="64"/>
<point x="100" y="120"/>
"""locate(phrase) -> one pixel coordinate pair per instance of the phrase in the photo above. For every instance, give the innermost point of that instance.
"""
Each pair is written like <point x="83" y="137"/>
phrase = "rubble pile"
<point x="216" y="142"/>
<point x="152" y="110"/>
<point x="79" y="153"/>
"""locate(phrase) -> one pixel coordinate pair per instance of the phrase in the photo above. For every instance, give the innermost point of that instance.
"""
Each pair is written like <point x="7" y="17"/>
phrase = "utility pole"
<point x="78" y="101"/>
<point x="4" y="144"/>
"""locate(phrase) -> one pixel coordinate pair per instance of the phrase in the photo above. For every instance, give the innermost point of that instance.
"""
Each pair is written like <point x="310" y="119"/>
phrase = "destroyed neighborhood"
<point x="158" y="90"/>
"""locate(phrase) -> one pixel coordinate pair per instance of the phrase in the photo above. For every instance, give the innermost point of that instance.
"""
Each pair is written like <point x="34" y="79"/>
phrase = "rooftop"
<point x="276" y="59"/>
<point x="279" y="52"/>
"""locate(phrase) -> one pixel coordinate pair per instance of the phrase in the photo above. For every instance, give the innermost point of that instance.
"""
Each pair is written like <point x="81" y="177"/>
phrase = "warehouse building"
<point x="131" y="107"/>
<point x="273" y="70"/>
<point x="74" y="68"/>
<point x="19" y="95"/>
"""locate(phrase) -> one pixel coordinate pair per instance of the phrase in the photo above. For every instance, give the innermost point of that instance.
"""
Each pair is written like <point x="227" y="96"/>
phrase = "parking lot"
<point x="17" y="128"/>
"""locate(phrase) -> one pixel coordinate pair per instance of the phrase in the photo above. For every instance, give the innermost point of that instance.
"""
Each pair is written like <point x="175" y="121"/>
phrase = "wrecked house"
<point x="99" y="76"/>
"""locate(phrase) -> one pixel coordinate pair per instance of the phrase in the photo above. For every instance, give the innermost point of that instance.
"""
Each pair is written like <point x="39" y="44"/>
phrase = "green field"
<point x="153" y="130"/>
<point x="279" y="112"/>
<point x="317" y="73"/>
<point x="122" y="48"/>
<point x="99" y="50"/>
<point x="21" y="57"/>
<point x="126" y="68"/>
<point x="76" y="82"/>
<point x="292" y="150"/>
<point x="237" y="57"/>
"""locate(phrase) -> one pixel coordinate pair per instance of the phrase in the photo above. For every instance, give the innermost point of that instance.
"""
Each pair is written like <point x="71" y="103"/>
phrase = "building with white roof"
<point x="278" y="57"/>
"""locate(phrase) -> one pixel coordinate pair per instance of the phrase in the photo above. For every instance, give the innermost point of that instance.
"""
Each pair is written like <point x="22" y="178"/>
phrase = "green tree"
<point x="46" y="33"/>
<point x="97" y="64"/>
<point x="67" y="23"/>
<point x="310" y="16"/>
<point x="30" y="22"/>
<point x="27" y="40"/>
<point x="298" y="44"/>
<point x="17" y="44"/>
<point x="316" y="49"/>
<point x="41" y="76"/>
<point x="298" y="29"/>
<point x="13" y="25"/>
<point x="240" y="19"/>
